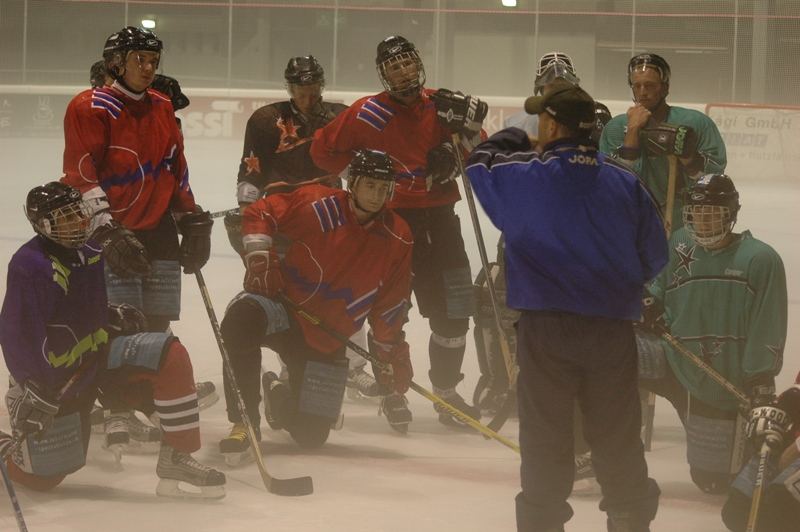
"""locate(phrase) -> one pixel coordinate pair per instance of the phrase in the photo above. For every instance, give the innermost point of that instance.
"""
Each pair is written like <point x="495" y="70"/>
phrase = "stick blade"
<point x="291" y="487"/>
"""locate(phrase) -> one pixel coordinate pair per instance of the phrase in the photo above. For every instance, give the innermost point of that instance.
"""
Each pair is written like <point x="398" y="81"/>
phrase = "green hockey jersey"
<point x="728" y="306"/>
<point x="654" y="171"/>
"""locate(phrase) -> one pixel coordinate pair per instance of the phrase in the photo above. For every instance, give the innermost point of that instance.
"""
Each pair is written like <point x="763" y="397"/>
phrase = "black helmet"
<point x="57" y="212"/>
<point x="374" y="164"/>
<point x="602" y="116"/>
<point x="304" y="70"/>
<point x="171" y="88"/>
<point x="644" y="61"/>
<point x="396" y="49"/>
<point x="126" y="40"/>
<point x="713" y="201"/>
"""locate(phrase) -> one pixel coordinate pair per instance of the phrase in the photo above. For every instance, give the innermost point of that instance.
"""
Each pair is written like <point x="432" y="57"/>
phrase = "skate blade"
<point x="585" y="486"/>
<point x="143" y="447"/>
<point x="356" y="395"/>
<point x="208" y="401"/>
<point x="117" y="450"/>
<point x="169" y="487"/>
<point x="238" y="459"/>
<point x="401" y="428"/>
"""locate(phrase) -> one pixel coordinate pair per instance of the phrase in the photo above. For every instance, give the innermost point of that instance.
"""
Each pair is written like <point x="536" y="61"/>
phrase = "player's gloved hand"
<point x="442" y="167"/>
<point x="460" y="113"/>
<point x="123" y="252"/>
<point x="263" y="273"/>
<point x="233" y="226"/>
<point x="669" y="139"/>
<point x="653" y="316"/>
<point x="768" y="424"/>
<point x="125" y="319"/>
<point x="31" y="409"/>
<point x="397" y="355"/>
<point x="195" y="229"/>
<point x="760" y="389"/>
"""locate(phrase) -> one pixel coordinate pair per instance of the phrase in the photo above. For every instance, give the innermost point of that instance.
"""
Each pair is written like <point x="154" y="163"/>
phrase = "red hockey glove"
<point x="398" y="356"/>
<point x="263" y="275"/>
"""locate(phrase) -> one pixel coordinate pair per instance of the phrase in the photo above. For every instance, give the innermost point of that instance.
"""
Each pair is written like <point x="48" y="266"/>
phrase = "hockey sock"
<point x="446" y="356"/>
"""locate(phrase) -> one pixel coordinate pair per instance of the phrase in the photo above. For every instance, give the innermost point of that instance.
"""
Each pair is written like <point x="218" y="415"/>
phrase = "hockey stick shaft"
<point x="12" y="494"/>
<point x="483" y="429"/>
<point x="671" y="182"/>
<point x="707" y="369"/>
<point x="221" y="214"/>
<point x="511" y="368"/>
<point x="289" y="487"/>
<point x="758" y="489"/>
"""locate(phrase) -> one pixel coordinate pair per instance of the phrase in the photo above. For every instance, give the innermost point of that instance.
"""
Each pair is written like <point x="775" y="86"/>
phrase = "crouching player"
<point x="348" y="260"/>
<point x="63" y="345"/>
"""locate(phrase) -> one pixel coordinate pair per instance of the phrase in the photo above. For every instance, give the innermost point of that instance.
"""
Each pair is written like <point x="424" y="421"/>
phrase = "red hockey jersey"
<point x="407" y="134"/>
<point x="132" y="150"/>
<point x="335" y="268"/>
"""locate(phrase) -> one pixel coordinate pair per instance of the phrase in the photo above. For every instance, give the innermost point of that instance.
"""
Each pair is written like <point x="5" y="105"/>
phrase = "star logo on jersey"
<point x="253" y="164"/>
<point x="290" y="137"/>
<point x="685" y="258"/>
<point x="711" y="350"/>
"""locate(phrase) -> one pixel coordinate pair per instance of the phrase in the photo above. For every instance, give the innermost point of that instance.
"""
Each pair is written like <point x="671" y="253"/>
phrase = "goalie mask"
<point x="553" y="66"/>
<point x="400" y="67"/>
<point x="373" y="170"/>
<point x="57" y="212"/>
<point x="710" y="209"/>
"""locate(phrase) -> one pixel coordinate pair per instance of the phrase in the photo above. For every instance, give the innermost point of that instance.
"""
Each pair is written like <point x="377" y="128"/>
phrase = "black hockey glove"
<point x="653" y="316"/>
<point x="442" y="167"/>
<point x="459" y="113"/>
<point x="31" y="410"/>
<point x="233" y="226"/>
<point x="760" y="389"/>
<point x="123" y="252"/>
<point x="669" y="139"/>
<point x="768" y="423"/>
<point x="125" y="319"/>
<point x="196" y="240"/>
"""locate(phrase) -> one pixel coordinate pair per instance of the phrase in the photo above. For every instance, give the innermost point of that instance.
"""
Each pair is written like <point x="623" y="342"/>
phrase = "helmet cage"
<point x="557" y="69"/>
<point x="412" y="73"/>
<point x="708" y="224"/>
<point x="64" y="220"/>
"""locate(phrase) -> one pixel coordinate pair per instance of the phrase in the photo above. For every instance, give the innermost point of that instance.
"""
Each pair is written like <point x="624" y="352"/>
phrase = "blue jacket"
<point x="583" y="234"/>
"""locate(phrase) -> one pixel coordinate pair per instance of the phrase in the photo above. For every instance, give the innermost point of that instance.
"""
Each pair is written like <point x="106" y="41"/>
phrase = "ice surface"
<point x="366" y="478"/>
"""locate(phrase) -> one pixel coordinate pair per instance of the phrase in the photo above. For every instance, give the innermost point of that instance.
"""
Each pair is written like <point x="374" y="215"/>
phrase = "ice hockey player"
<point x="124" y="152"/>
<point x="98" y="77"/>
<point x="575" y="340"/>
<point x="402" y="121"/>
<point x="779" y="511"/>
<point x="276" y="159"/>
<point x="55" y="324"/>
<point x="348" y="261"/>
<point x="649" y="79"/>
<point x="743" y="339"/>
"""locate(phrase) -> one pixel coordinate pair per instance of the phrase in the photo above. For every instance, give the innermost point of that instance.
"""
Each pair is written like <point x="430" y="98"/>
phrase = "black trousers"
<point x="563" y="357"/>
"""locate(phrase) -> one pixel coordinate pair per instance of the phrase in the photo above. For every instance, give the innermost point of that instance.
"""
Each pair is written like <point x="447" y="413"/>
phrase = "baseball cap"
<point x="567" y="103"/>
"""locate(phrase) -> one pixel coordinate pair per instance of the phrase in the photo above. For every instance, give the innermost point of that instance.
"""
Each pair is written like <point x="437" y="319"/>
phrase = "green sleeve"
<point x="766" y="335"/>
<point x="711" y="145"/>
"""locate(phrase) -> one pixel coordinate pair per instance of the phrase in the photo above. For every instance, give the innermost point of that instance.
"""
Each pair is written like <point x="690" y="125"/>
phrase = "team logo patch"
<point x="685" y="259"/>
<point x="253" y="164"/>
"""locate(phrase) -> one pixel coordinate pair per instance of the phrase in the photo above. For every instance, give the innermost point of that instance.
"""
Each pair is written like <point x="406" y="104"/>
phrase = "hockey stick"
<point x="503" y="412"/>
<point x="758" y="489"/>
<point x="220" y="214"/>
<point x="673" y="178"/>
<point x="278" y="486"/>
<point x="483" y="429"/>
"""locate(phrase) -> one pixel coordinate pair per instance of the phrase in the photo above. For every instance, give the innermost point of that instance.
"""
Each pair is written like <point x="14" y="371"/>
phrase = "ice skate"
<point x="175" y="467"/>
<point x="585" y="481"/>
<point x="235" y="448"/>
<point x="144" y="438"/>
<point x="98" y="419"/>
<point x="117" y="438"/>
<point x="206" y="394"/>
<point x="361" y="385"/>
<point x="275" y="392"/>
<point x="395" y="408"/>
<point x="451" y="396"/>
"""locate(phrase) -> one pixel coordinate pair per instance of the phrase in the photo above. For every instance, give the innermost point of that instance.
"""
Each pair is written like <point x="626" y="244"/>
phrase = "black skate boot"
<point x="117" y="438"/>
<point x="174" y="467"/>
<point x="275" y="392"/>
<point x="450" y="395"/>
<point x="361" y="385"/>
<point x="235" y="448"/>
<point x="395" y="408"/>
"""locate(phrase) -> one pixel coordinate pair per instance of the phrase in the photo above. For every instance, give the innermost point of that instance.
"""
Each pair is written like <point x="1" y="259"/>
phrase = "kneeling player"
<point x="349" y="260"/>
<point x="63" y="344"/>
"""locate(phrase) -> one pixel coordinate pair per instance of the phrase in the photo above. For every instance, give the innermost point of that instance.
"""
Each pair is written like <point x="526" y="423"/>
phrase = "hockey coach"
<point x="583" y="236"/>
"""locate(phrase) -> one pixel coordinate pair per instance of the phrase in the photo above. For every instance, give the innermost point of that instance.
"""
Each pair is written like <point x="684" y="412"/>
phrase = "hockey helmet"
<point x="128" y="39"/>
<point x="374" y="164"/>
<point x="399" y="66"/>
<point x="602" y="117"/>
<point x="710" y="209"/>
<point x="58" y="212"/>
<point x="553" y="66"/>
<point x="642" y="62"/>
<point x="304" y="70"/>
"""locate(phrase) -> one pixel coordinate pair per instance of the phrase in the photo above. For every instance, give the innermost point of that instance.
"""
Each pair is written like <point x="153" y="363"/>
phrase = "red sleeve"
<point x="264" y="216"/>
<point x="388" y="314"/>
<point x="86" y="134"/>
<point x="183" y="199"/>
<point x="333" y="145"/>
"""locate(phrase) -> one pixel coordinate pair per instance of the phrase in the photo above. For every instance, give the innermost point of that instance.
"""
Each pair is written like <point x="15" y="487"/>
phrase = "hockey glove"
<point x="653" y="316"/>
<point x="767" y="423"/>
<point x="125" y="319"/>
<point x="669" y="139"/>
<point x="263" y="275"/>
<point x="760" y="389"/>
<point x="397" y="355"/>
<point x="31" y="410"/>
<point x="459" y="113"/>
<point x="233" y="226"/>
<point x="442" y="167"/>
<point x="195" y="229"/>
<point x="123" y="252"/>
